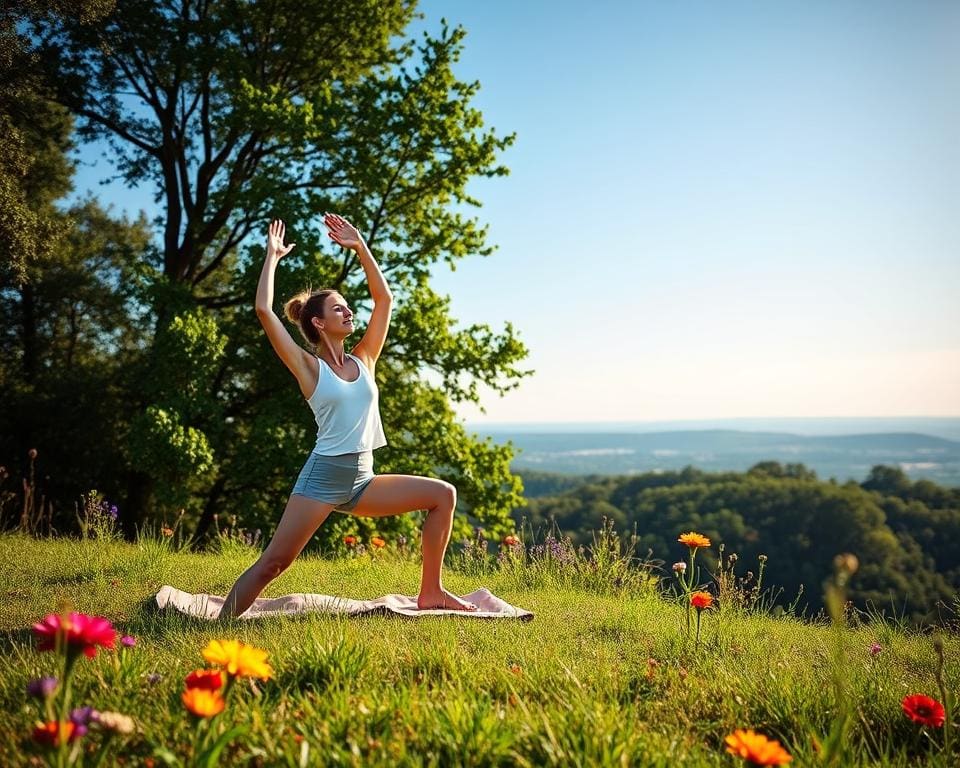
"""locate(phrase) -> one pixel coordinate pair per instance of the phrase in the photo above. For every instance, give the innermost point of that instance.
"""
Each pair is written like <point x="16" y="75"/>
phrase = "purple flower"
<point x="875" y="649"/>
<point x="84" y="715"/>
<point x="154" y="677"/>
<point x="81" y="717"/>
<point x="128" y="641"/>
<point x="42" y="687"/>
<point x="113" y="511"/>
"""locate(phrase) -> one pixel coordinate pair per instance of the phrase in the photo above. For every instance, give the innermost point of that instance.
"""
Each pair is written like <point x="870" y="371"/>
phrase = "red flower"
<point x="208" y="679"/>
<point x="80" y="632"/>
<point x="51" y="732"/>
<point x="701" y="600"/>
<point x="924" y="710"/>
<point x="511" y="540"/>
<point x="349" y="540"/>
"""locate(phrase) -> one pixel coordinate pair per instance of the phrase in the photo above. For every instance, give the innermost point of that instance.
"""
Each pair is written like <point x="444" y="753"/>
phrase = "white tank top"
<point x="347" y="412"/>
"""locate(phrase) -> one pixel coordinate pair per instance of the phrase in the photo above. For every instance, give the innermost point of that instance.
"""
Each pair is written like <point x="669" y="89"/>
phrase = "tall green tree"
<point x="237" y="112"/>
<point x="34" y="137"/>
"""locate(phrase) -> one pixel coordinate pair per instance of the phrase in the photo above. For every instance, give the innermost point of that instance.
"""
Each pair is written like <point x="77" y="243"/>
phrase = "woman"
<point x="341" y="390"/>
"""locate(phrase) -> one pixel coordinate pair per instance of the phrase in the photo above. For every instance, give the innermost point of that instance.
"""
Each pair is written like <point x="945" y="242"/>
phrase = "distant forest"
<point x="905" y="534"/>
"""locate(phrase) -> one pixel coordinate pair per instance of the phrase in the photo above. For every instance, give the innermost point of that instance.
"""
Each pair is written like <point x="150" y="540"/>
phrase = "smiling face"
<point x="337" y="320"/>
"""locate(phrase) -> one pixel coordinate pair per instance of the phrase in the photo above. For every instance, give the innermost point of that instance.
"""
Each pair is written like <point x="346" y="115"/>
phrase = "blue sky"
<point x="714" y="209"/>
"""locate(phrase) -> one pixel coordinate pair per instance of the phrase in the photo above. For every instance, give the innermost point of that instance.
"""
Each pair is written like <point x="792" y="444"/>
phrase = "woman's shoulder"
<point x="367" y="362"/>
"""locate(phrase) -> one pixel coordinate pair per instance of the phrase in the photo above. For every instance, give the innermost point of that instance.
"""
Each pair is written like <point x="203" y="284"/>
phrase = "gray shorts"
<point x="339" y="480"/>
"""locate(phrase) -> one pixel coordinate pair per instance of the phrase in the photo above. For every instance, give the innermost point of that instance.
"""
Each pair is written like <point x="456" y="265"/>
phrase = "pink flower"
<point x="128" y="641"/>
<point x="80" y="632"/>
<point x="875" y="649"/>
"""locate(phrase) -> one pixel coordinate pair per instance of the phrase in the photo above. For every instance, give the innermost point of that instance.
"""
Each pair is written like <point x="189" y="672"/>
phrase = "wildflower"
<point x="114" y="512"/>
<point x="81" y="717"/>
<point x="516" y="669"/>
<point x="54" y="732"/>
<point x="701" y="600"/>
<point x="756" y="748"/>
<point x="875" y="649"/>
<point x="154" y="677"/>
<point x="203" y="702"/>
<point x="42" y="687"/>
<point x="80" y="632"/>
<point x="32" y="453"/>
<point x="238" y="658"/>
<point x="128" y="641"/>
<point x="846" y="562"/>
<point x="115" y="721"/>
<point x="652" y="664"/>
<point x="378" y="542"/>
<point x="694" y="540"/>
<point x="510" y="540"/>
<point x="402" y="540"/>
<point x="208" y="679"/>
<point x="349" y="540"/>
<point x="924" y="710"/>
<point x="679" y="567"/>
<point x="167" y="530"/>
<point x="762" y="558"/>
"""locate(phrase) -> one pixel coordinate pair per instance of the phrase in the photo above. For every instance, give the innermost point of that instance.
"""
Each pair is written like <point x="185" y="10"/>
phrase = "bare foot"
<point x="443" y="599"/>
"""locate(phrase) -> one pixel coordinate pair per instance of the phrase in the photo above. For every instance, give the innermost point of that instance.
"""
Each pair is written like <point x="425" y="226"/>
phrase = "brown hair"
<point x="302" y="308"/>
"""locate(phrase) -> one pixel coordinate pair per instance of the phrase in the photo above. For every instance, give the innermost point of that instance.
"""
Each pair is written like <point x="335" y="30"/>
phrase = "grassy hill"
<point x="606" y="673"/>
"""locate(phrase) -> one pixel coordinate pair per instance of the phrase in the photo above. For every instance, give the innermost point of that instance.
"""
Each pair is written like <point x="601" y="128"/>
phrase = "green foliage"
<point x="909" y="556"/>
<point x="288" y="109"/>
<point x="161" y="442"/>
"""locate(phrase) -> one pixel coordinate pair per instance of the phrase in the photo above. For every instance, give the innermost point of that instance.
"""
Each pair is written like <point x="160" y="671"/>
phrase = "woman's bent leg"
<point x="300" y="520"/>
<point x="396" y="494"/>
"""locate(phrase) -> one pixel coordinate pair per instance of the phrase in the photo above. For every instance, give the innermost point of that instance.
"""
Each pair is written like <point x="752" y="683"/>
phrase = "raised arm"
<point x="369" y="347"/>
<point x="292" y="354"/>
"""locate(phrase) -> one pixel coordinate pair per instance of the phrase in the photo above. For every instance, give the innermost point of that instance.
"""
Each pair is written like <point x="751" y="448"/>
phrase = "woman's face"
<point x="337" y="320"/>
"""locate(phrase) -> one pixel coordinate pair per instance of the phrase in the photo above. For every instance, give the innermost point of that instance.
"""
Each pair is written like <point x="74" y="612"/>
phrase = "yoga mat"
<point x="204" y="606"/>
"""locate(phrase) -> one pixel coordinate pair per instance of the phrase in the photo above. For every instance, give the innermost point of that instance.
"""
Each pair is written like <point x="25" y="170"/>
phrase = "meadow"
<point x="608" y="672"/>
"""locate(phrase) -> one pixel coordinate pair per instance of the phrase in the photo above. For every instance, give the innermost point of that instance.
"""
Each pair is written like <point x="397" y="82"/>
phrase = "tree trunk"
<point x="199" y="538"/>
<point x="133" y="515"/>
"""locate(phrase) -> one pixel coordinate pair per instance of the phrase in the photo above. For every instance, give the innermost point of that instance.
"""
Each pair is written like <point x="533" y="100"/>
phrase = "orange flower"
<point x="924" y="710"/>
<point x="52" y="732"/>
<point x="203" y="702"/>
<point x="756" y="748"/>
<point x="166" y="530"/>
<point x="694" y="540"/>
<point x="209" y="679"/>
<point x="511" y="540"/>
<point x="378" y="542"/>
<point x="349" y="540"/>
<point x="701" y="600"/>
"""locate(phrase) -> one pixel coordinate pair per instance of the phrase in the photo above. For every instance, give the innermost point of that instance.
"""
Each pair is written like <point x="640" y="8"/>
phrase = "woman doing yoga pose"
<point x="341" y="391"/>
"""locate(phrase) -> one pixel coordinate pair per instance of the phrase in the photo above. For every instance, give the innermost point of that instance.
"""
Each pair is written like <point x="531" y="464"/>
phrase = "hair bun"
<point x="294" y="308"/>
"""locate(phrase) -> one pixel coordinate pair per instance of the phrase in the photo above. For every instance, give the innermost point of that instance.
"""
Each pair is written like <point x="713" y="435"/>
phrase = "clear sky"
<point x="714" y="209"/>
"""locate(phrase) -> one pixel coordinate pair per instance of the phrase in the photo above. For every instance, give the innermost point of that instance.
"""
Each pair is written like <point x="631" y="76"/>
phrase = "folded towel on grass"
<point x="204" y="606"/>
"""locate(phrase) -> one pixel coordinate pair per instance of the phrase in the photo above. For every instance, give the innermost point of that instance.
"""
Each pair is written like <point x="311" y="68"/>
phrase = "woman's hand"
<point x="342" y="231"/>
<point x="275" y="247"/>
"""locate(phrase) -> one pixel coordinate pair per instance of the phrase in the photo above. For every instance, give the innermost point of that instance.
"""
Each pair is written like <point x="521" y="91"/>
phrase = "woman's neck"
<point x="334" y="350"/>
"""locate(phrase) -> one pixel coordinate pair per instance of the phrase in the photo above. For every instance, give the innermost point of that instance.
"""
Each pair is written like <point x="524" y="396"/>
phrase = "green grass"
<point x="569" y="688"/>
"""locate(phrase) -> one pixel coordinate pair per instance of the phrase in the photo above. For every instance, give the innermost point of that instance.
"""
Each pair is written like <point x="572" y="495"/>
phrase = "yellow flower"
<point x="203" y="702"/>
<point x="238" y="658"/>
<point x="694" y="540"/>
<point x="756" y="748"/>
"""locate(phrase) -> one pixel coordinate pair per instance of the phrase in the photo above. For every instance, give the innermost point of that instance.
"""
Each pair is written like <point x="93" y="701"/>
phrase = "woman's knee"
<point x="446" y="495"/>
